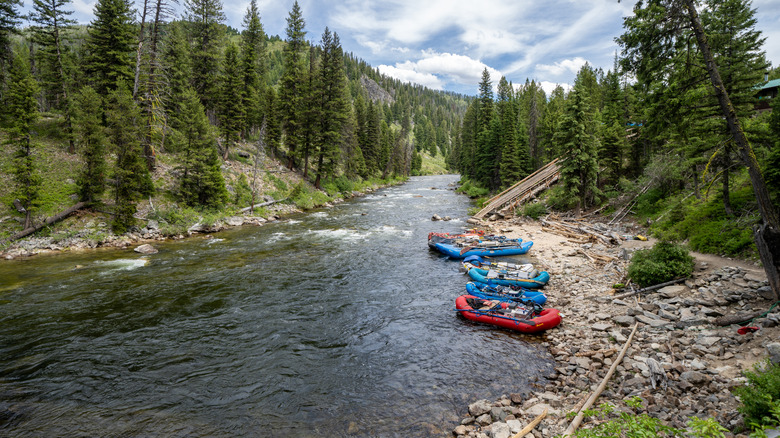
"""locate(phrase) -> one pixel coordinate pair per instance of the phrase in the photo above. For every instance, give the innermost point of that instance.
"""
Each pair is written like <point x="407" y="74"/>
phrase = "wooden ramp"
<point x="523" y="190"/>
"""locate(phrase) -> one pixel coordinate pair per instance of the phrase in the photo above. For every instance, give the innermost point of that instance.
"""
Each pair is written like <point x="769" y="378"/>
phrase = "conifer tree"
<point x="202" y="183"/>
<point x="253" y="64"/>
<point x="232" y="111"/>
<point x="51" y="20"/>
<point x="352" y="155"/>
<point x="488" y="154"/>
<point x="91" y="138"/>
<point x="331" y="92"/>
<point x="576" y="137"/>
<point x="178" y="67"/>
<point x="130" y="174"/>
<point x="9" y="21"/>
<point x="291" y="96"/>
<point x="22" y="110"/>
<point x="204" y="19"/>
<point x="109" y="45"/>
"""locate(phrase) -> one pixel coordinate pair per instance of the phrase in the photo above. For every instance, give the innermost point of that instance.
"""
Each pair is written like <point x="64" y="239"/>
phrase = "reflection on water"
<point x="336" y="323"/>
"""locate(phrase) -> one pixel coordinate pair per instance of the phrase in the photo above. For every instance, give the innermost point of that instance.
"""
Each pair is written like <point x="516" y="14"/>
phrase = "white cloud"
<point x="548" y="87"/>
<point x="435" y="70"/>
<point x="565" y="67"/>
<point x="408" y="75"/>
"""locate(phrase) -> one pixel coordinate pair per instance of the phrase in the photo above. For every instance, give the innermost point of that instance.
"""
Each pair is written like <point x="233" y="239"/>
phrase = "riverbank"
<point x="89" y="230"/>
<point x="699" y="361"/>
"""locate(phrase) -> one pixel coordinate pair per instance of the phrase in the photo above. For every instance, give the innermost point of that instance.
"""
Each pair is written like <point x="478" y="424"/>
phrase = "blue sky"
<point x="446" y="44"/>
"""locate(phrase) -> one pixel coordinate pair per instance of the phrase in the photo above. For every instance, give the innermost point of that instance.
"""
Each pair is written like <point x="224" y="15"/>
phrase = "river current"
<point x="339" y="323"/>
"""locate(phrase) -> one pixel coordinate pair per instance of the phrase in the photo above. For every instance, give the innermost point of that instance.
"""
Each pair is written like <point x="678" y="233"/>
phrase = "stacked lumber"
<point x="578" y="231"/>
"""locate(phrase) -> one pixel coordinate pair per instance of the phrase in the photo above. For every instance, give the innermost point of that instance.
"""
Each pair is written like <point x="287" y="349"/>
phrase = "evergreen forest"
<point x="147" y="104"/>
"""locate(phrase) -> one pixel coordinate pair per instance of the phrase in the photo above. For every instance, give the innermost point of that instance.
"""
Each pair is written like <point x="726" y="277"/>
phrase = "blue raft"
<point x="505" y="293"/>
<point x="508" y="278"/>
<point x="460" y="251"/>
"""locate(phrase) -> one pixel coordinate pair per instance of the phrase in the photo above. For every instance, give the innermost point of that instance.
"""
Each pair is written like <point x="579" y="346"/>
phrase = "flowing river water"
<point x="335" y="323"/>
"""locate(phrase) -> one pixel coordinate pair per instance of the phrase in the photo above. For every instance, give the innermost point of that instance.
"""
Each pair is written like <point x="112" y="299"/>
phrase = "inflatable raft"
<point x="483" y="248"/>
<point x="505" y="293"/>
<point x="506" y="277"/>
<point x="507" y="315"/>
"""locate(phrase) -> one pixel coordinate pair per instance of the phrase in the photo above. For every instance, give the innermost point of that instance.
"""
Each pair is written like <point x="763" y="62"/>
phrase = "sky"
<point x="446" y="44"/>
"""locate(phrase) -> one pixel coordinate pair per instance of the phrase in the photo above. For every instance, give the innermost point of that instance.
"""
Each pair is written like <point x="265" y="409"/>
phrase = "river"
<point x="338" y="322"/>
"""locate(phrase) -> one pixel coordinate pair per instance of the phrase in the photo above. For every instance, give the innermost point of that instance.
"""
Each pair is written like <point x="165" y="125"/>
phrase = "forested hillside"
<point x="120" y="110"/>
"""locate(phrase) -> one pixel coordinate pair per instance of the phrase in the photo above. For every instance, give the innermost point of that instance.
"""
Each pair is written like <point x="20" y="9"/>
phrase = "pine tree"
<point x="291" y="97"/>
<point x="488" y="154"/>
<point x="130" y="174"/>
<point x="178" y="68"/>
<point x="91" y="137"/>
<point x="253" y="64"/>
<point x="232" y="111"/>
<point x="331" y="92"/>
<point x="51" y="20"/>
<point x="9" y="21"/>
<point x="204" y="19"/>
<point x="352" y="155"/>
<point x="576" y="137"/>
<point x="109" y="45"/>
<point x="22" y="110"/>
<point x="202" y="183"/>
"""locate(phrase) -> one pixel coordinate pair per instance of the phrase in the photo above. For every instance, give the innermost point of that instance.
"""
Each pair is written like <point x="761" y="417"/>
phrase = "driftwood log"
<point x="737" y="319"/>
<point x="262" y="204"/>
<point x="49" y="221"/>
<point x="531" y="425"/>
<point x="592" y="399"/>
<point x="649" y="288"/>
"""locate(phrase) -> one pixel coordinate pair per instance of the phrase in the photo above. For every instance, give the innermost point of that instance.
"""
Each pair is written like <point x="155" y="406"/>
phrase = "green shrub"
<point x="306" y="198"/>
<point x="243" y="193"/>
<point x="665" y="261"/>
<point x="760" y="396"/>
<point x="472" y="190"/>
<point x="534" y="210"/>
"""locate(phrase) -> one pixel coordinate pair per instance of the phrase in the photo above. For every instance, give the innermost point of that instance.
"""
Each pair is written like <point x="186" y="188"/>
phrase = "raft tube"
<point x="546" y="319"/>
<point x="505" y="293"/>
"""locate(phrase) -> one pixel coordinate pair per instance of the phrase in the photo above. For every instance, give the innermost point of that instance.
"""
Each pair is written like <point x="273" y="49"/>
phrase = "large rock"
<point x="672" y="291"/>
<point x="480" y="407"/>
<point x="500" y="430"/>
<point x="146" y="249"/>
<point x="774" y="352"/>
<point x="694" y="377"/>
<point x="234" y="221"/>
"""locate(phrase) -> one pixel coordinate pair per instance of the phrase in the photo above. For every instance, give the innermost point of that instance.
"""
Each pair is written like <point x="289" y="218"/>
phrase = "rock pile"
<point x="680" y="362"/>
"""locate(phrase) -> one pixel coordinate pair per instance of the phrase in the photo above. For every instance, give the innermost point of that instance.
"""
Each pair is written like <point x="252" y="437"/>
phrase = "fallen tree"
<point x="56" y="218"/>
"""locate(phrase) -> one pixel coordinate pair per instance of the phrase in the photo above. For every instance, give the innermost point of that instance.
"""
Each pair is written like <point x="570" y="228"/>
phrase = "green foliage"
<point x="91" y="136"/>
<point x="706" y="225"/>
<point x="109" y="44"/>
<point x="177" y="220"/>
<point x="627" y="425"/>
<point x="665" y="261"/>
<point x="472" y="189"/>
<point x="306" y="198"/>
<point x="534" y="210"/>
<point x="706" y="428"/>
<point x="243" y="193"/>
<point x="760" y="396"/>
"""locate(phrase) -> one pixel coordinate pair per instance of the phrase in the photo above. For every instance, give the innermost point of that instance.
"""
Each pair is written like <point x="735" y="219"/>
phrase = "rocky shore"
<point x="679" y="361"/>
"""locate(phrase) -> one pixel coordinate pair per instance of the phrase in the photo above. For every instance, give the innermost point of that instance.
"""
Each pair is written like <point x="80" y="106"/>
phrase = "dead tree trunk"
<point x="49" y="221"/>
<point x="769" y="232"/>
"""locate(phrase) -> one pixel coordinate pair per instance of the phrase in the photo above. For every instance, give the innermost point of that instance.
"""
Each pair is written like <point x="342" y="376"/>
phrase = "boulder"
<point x="436" y="217"/>
<point x="774" y="352"/>
<point x="234" y="221"/>
<point x="480" y="407"/>
<point x="500" y="430"/>
<point x="694" y="378"/>
<point x="146" y="249"/>
<point x="672" y="291"/>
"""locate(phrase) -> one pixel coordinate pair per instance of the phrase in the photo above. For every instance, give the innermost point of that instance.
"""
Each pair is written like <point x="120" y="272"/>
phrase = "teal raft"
<point x="457" y="251"/>
<point x="508" y="278"/>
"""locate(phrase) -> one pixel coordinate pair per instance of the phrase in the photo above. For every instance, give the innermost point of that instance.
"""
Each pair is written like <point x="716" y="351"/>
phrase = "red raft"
<point x="503" y="315"/>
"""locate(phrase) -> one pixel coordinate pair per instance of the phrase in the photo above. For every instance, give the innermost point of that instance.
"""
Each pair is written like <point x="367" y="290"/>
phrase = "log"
<point x="578" y="419"/>
<point x="737" y="319"/>
<point x="649" y="288"/>
<point x="49" y="221"/>
<point x="531" y="425"/>
<point x="262" y="204"/>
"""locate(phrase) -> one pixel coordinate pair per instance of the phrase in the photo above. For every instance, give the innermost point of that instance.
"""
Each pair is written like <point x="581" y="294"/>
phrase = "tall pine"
<point x="109" y="45"/>
<point x="131" y="178"/>
<point x="206" y="34"/>
<point x="22" y="110"/>
<point x="291" y="84"/>
<point x="90" y="135"/>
